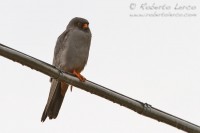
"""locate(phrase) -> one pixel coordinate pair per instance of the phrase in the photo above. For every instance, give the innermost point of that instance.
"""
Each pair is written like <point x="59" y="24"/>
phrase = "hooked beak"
<point x="85" y="26"/>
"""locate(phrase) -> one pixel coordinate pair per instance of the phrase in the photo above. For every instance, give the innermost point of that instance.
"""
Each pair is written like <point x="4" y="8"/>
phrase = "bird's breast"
<point x="76" y="51"/>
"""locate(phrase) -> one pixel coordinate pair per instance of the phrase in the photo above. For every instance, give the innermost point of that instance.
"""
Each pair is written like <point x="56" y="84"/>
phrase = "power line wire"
<point x="137" y="106"/>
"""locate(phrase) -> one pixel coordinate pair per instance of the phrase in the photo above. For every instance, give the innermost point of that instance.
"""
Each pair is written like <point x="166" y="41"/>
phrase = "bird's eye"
<point x="79" y="24"/>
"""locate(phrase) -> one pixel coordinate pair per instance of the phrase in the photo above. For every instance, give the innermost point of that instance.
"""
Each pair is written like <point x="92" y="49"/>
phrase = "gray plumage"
<point x="71" y="53"/>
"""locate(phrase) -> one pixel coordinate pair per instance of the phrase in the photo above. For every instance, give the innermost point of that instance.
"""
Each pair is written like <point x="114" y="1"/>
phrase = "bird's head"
<point x="80" y="23"/>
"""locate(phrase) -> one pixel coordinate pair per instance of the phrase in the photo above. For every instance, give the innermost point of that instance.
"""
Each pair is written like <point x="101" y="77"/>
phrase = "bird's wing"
<point x="59" y="46"/>
<point x="55" y="98"/>
<point x="57" y="49"/>
<point x="51" y="98"/>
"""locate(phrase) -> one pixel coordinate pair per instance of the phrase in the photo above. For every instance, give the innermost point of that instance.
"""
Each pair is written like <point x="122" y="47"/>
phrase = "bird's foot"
<point x="79" y="76"/>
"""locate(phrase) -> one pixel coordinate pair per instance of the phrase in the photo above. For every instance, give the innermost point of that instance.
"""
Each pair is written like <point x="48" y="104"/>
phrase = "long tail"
<point x="54" y="101"/>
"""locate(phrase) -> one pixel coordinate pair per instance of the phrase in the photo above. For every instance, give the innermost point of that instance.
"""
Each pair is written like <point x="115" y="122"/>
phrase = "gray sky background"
<point x="152" y="59"/>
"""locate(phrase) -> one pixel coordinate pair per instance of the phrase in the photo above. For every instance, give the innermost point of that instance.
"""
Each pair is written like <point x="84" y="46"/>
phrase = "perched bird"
<point x="70" y="55"/>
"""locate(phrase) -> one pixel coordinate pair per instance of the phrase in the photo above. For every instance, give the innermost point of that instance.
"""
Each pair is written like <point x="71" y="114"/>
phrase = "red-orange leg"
<point x="79" y="76"/>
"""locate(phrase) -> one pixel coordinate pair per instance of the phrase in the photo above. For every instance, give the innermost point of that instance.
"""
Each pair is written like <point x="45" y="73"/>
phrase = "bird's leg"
<point x="79" y="76"/>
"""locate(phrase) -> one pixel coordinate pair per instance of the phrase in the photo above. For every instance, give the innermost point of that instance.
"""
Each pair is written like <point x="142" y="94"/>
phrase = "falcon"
<point x="70" y="55"/>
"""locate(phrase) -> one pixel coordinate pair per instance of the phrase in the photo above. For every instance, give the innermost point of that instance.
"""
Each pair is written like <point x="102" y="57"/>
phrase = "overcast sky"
<point x="153" y="59"/>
